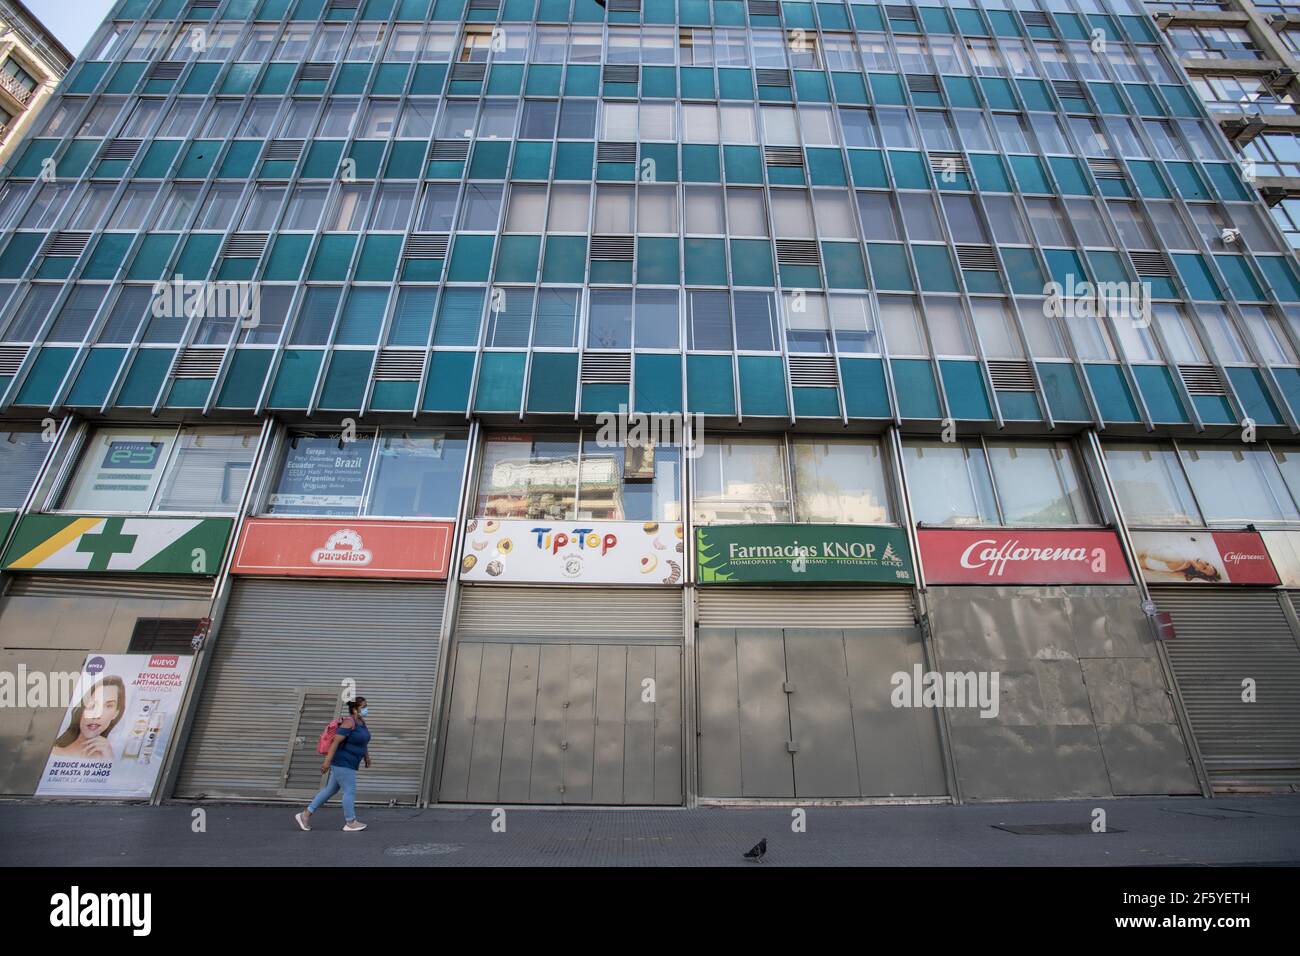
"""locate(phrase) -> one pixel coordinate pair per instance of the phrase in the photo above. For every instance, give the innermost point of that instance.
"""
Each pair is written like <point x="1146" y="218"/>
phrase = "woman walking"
<point x="348" y="748"/>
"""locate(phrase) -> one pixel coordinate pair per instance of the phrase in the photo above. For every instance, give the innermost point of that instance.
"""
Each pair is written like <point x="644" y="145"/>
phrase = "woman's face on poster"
<point x="102" y="705"/>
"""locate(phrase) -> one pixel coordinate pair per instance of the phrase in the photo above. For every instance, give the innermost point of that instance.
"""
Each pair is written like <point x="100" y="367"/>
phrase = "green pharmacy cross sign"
<point x="144" y="545"/>
<point x="802" y="553"/>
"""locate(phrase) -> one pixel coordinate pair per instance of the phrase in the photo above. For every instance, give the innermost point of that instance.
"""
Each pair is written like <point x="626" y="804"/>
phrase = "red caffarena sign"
<point x="1001" y="556"/>
<point x="355" y="549"/>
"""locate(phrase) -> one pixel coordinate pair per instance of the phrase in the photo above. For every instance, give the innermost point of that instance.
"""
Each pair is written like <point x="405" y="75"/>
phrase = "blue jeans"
<point x="341" y="778"/>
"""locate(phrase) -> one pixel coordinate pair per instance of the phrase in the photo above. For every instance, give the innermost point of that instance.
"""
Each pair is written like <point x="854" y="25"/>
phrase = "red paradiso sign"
<point x="355" y="549"/>
<point x="999" y="556"/>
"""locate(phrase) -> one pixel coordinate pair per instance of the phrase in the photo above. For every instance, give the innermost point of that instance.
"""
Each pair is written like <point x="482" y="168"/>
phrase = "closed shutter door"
<point x="861" y="607"/>
<point x="577" y="613"/>
<point x="282" y="645"/>
<point x="141" y="586"/>
<point x="1224" y="638"/>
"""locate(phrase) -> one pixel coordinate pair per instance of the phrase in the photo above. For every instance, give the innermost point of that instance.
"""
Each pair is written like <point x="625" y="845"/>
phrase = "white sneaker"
<point x="301" y="821"/>
<point x="354" y="825"/>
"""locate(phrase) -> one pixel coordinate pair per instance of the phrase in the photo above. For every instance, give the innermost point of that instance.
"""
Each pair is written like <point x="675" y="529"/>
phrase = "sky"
<point x="72" y="21"/>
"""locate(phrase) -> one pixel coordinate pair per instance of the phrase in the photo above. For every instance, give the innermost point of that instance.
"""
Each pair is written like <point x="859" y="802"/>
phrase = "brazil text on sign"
<point x="775" y="553"/>
<point x="143" y="545"/>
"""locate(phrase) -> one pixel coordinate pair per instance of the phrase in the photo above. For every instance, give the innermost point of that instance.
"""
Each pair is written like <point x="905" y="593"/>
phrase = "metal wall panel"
<point x="1083" y="708"/>
<point x="1223" y="637"/>
<point x="572" y="613"/>
<point x="560" y="722"/>
<point x="281" y="636"/>
<point x="49" y="624"/>
<point x="808" y="607"/>
<point x="821" y="713"/>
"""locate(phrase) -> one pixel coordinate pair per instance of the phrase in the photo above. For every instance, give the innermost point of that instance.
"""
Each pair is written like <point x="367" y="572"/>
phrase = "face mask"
<point x="364" y="711"/>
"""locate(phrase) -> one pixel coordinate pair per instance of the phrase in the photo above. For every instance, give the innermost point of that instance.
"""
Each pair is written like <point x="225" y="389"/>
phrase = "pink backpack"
<point x="327" y="735"/>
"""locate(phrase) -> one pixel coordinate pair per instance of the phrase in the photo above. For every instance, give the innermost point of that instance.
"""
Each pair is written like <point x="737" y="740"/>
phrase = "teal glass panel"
<point x="1158" y="393"/>
<point x="762" y="386"/>
<point x="1255" y="400"/>
<point x="500" y="382"/>
<point x="658" y="383"/>
<point x="148" y="370"/>
<point x="710" y="389"/>
<point x="446" y="387"/>
<point x="346" y="379"/>
<point x="914" y="385"/>
<point x="889" y="267"/>
<point x="751" y="262"/>
<point x="96" y="378"/>
<point x="246" y="378"/>
<point x="1065" y="396"/>
<point x="1111" y="392"/>
<point x="964" y="387"/>
<point x="553" y="382"/>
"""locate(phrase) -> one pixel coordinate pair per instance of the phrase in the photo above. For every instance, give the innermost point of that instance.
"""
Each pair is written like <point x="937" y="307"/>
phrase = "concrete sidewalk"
<point x="1245" y="830"/>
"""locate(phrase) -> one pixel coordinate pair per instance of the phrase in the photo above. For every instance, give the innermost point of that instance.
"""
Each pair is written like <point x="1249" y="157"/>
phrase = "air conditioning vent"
<point x="485" y="4"/>
<point x="11" y="359"/>
<point x="288" y="150"/>
<point x="66" y="244"/>
<point x="610" y="152"/>
<point x="606" y="368"/>
<point x="1202" y="380"/>
<point x="1106" y="168"/>
<point x="166" y="70"/>
<point x="942" y="163"/>
<point x="1012" y="376"/>
<point x="315" y="71"/>
<point x="449" y="150"/>
<point x="624" y="6"/>
<point x="1151" y="264"/>
<point x="1068" y="89"/>
<point x="900" y="11"/>
<point x="205" y="5"/>
<point x="621" y="73"/>
<point x="977" y="258"/>
<point x="245" y="245"/>
<point x="199" y="362"/>
<point x="817" y="371"/>
<point x="773" y="78"/>
<point x="797" y="252"/>
<point x="922" y="83"/>
<point x="783" y="155"/>
<point x="399" y="365"/>
<point x="345" y="4"/>
<point x="763" y="8"/>
<point x="468" y="72"/>
<point x="120" y="149"/>
<point x="611" y="248"/>
<point x="426" y="245"/>
<point x="1035" y="18"/>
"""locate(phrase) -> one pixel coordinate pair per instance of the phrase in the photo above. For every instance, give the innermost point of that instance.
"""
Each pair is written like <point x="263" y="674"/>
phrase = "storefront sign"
<point x="7" y="519"/>
<point x="1284" y="548"/>
<point x="356" y="549"/>
<point x="118" y="725"/>
<point x="802" y="553"/>
<point x="1203" y="557"/>
<point x="142" y="545"/>
<point x="999" y="556"/>
<point x="322" y="472"/>
<point x="572" y="552"/>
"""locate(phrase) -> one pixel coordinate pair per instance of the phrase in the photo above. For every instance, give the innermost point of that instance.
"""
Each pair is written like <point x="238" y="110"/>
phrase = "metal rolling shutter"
<point x="127" y="586"/>
<point x="574" y="613"/>
<point x="803" y="607"/>
<point x="281" y="640"/>
<point x="1222" y="637"/>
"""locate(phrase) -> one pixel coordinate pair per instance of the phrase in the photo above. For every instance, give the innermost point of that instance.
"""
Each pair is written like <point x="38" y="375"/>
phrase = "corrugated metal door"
<point x="1226" y="639"/>
<point x="283" y="641"/>
<point x="805" y="712"/>
<point x="565" y="696"/>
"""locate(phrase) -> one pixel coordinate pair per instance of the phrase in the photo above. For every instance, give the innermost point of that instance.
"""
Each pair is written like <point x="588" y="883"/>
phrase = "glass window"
<point x="208" y="470"/>
<point x="709" y="327"/>
<point x="919" y="216"/>
<point x="417" y="474"/>
<point x="1236" y="485"/>
<point x="1039" y="484"/>
<point x="657" y="313"/>
<point x="949" y="483"/>
<point x="1150" y="485"/>
<point x="437" y="208"/>
<point x="703" y="209"/>
<point x="570" y="209"/>
<point x="755" y="314"/>
<point x="609" y="320"/>
<point x="22" y="452"/>
<point x="839" y="481"/>
<point x="741" y="480"/>
<point x="322" y="474"/>
<point x="877" y="212"/>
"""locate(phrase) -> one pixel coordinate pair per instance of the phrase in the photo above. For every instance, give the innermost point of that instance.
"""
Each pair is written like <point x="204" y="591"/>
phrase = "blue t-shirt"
<point x="352" y="745"/>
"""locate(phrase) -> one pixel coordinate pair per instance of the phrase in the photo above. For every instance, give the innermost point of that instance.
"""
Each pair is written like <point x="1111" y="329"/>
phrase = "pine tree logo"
<point x="890" y="556"/>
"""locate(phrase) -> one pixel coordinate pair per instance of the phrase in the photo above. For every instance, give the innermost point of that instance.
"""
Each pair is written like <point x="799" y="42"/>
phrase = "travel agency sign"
<point x="802" y="553"/>
<point x="572" y="552"/>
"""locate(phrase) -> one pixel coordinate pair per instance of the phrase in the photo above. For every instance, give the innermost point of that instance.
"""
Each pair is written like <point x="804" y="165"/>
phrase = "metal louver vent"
<point x="205" y="5"/>
<point x="166" y="70"/>
<point x="783" y="155"/>
<point x="485" y="4"/>
<point x="199" y="362"/>
<point x="610" y="152"/>
<point x="1068" y="89"/>
<point x="797" y="252"/>
<point x="621" y="73"/>
<point x="624" y="6"/>
<point x="763" y="8"/>
<point x="449" y="150"/>
<point x="11" y="359"/>
<point x="773" y="77"/>
<point x="1035" y="18"/>
<point x="901" y="11"/>
<point x="922" y="83"/>
<point x="1106" y="168"/>
<point x="944" y="162"/>
<point x="285" y="149"/>
<point x="344" y="4"/>
<point x="399" y="365"/>
<point x="977" y="258"/>
<point x="66" y="244"/>
<point x="813" y="370"/>
<point x="1150" y="264"/>
<point x="316" y="71"/>
<point x="121" y="149"/>
<point x="1202" y="379"/>
<point x="611" y="248"/>
<point x="426" y="245"/>
<point x="606" y="368"/>
<point x="1011" y="375"/>
<point x="468" y="72"/>
<point x="245" y="245"/>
